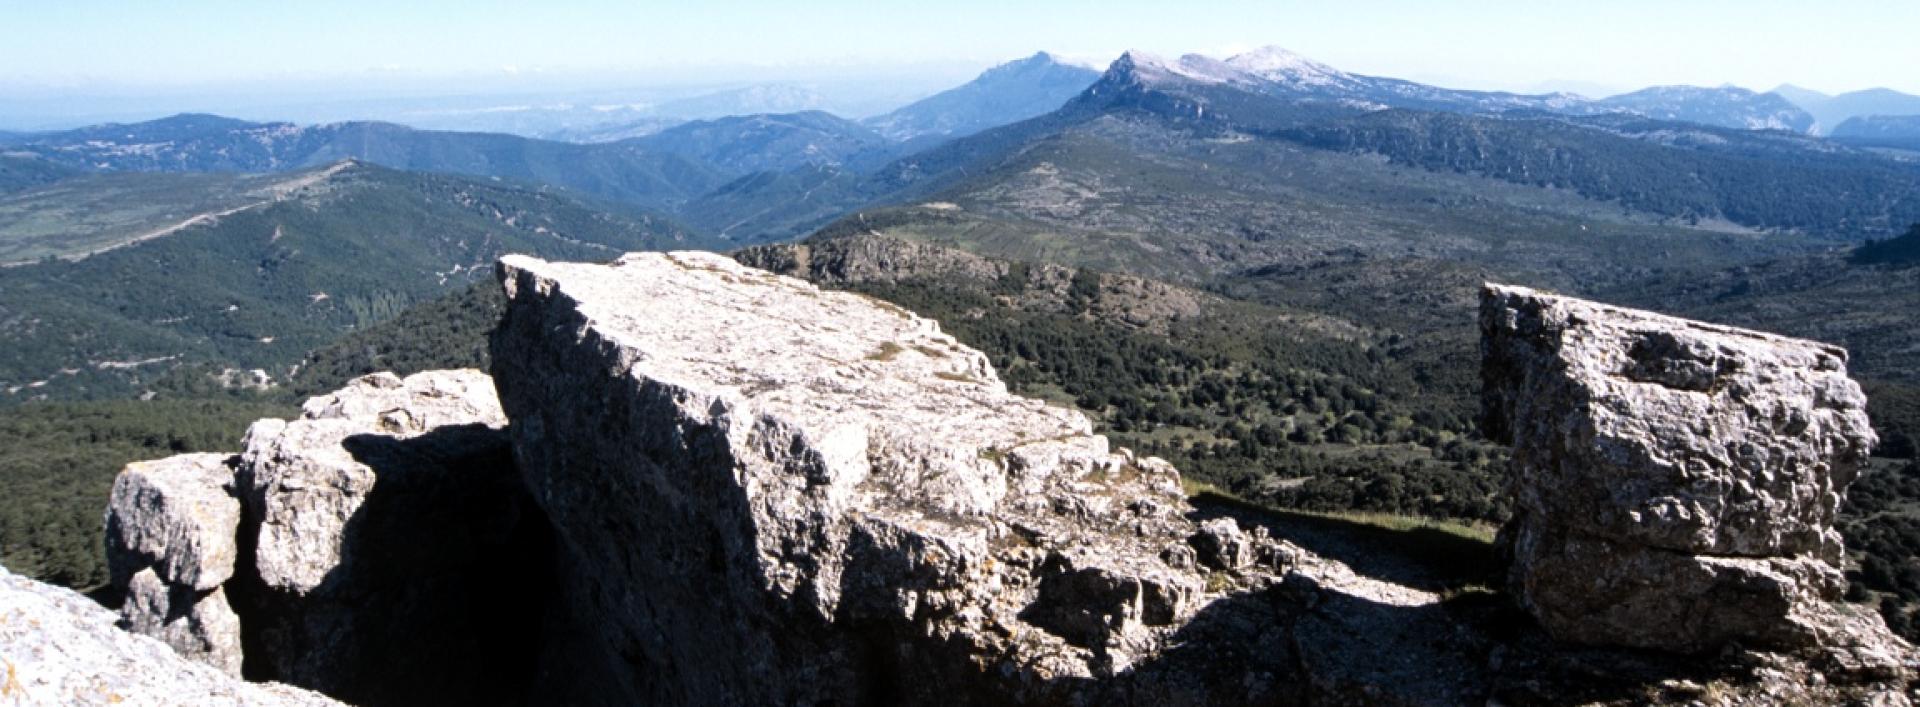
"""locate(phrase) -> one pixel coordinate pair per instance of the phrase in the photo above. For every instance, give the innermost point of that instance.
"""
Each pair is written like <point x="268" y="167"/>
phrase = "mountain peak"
<point x="1151" y="67"/>
<point x="1039" y="61"/>
<point x="1797" y="93"/>
<point x="1008" y="93"/>
<point x="1277" y="63"/>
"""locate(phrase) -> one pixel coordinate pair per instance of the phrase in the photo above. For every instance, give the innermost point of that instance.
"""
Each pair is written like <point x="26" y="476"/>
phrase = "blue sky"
<point x="1834" y="46"/>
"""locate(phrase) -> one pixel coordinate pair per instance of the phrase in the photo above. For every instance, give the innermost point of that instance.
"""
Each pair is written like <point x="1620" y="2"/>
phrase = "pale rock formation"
<point x="780" y="495"/>
<point x="1676" y="481"/>
<point x="387" y="551"/>
<point x="60" y="648"/>
<point x="1221" y="545"/>
<point x="170" y="546"/>
<point x="305" y="482"/>
<point x="200" y="626"/>
<point x="175" y="516"/>
<point x="867" y="259"/>
<point x="395" y="560"/>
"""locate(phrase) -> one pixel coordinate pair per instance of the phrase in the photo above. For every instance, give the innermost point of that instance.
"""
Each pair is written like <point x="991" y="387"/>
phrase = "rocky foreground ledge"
<point x="701" y="483"/>
<point x="60" y="648"/>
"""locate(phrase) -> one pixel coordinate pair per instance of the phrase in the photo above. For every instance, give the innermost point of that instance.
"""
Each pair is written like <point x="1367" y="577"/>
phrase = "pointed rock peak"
<point x="1039" y="61"/>
<point x="1192" y="67"/>
<point x="1206" y="68"/>
<point x="1135" y="58"/>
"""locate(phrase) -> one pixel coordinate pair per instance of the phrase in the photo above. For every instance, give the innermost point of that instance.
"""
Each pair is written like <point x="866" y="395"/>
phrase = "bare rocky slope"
<point x="701" y="483"/>
<point x="60" y="648"/>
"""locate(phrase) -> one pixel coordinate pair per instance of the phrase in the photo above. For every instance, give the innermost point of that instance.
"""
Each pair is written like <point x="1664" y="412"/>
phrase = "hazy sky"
<point x="1834" y="45"/>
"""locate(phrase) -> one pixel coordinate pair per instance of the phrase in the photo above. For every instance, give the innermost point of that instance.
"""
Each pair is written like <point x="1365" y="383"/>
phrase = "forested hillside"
<point x="258" y="288"/>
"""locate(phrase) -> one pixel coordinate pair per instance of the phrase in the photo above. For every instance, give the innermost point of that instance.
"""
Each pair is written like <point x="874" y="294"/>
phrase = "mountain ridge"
<point x="259" y="286"/>
<point x="1007" y="93"/>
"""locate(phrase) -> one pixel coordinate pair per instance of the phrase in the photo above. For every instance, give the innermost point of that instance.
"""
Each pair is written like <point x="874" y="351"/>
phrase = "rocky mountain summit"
<point x="688" y="481"/>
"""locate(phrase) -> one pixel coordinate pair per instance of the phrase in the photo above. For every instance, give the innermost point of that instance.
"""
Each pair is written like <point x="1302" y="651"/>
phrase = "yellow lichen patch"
<point x="1218" y="582"/>
<point x="11" y="685"/>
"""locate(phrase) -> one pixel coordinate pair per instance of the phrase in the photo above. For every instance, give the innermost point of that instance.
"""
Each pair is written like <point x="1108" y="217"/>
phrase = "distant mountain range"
<point x="205" y="143"/>
<point x="1674" y="152"/>
<point x="1726" y="106"/>
<point x="776" y="142"/>
<point x="1831" y="111"/>
<point x="1899" y="131"/>
<point x="763" y="173"/>
<point x="1274" y="71"/>
<point x="1004" y="94"/>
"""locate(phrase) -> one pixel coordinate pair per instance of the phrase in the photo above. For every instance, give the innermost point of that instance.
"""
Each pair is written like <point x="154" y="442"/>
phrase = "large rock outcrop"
<point x="722" y="486"/>
<point x="774" y="494"/>
<point x="171" y="547"/>
<point x="379" y="548"/>
<point x="1676" y="481"/>
<point x="868" y="260"/>
<point x="60" y="648"/>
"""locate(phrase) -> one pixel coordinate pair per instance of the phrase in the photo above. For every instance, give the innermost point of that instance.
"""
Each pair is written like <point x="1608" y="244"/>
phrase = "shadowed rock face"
<point x="378" y="548"/>
<point x="1676" y="481"/>
<point x="812" y="497"/>
<point x="171" y="544"/>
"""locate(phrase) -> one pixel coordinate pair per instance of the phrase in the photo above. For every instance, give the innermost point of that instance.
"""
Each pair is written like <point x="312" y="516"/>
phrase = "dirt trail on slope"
<point x="277" y="192"/>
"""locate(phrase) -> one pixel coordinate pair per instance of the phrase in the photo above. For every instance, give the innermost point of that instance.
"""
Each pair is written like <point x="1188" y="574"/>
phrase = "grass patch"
<point x="1393" y="522"/>
<point x="1427" y="553"/>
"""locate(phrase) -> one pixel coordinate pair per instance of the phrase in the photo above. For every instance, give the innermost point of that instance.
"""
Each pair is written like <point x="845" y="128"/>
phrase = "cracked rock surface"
<point x="171" y="545"/>
<point x="378" y="548"/>
<point x="813" y="497"/>
<point x="1677" y="481"/>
